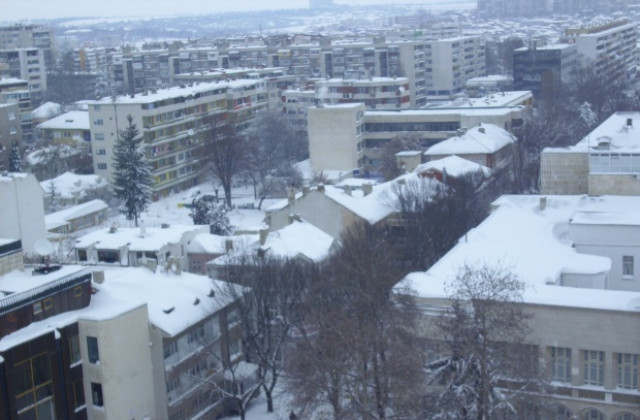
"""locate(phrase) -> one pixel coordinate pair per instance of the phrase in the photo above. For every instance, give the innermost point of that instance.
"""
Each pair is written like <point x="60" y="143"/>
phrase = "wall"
<point x="564" y="173"/>
<point x="124" y="368"/>
<point x="618" y="184"/>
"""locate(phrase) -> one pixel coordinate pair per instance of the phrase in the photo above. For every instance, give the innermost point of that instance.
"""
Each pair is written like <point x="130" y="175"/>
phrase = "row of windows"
<point x="425" y="126"/>
<point x="614" y="163"/>
<point x="593" y="367"/>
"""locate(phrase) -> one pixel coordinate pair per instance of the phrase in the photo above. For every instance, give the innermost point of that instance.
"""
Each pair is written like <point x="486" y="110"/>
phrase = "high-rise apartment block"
<point x="610" y="47"/>
<point x="175" y="123"/>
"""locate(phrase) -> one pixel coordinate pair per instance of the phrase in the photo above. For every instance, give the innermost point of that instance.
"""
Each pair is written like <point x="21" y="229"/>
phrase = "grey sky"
<point x="19" y="10"/>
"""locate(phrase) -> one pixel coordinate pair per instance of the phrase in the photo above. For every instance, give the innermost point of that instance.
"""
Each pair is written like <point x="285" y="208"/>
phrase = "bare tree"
<point x="357" y="349"/>
<point x="223" y="153"/>
<point x="275" y="289"/>
<point x="389" y="163"/>
<point x="486" y="367"/>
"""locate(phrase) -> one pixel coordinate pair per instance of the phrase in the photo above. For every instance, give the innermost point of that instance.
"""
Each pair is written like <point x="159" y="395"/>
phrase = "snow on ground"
<point x="171" y="209"/>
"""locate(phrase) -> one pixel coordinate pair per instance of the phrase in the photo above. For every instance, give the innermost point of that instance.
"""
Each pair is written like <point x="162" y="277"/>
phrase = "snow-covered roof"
<point x="72" y="120"/>
<point x="616" y="131"/>
<point x="176" y="91"/>
<point x="372" y="207"/>
<point x="46" y="110"/>
<point x="19" y="281"/>
<point x="483" y="139"/>
<point x="454" y="166"/>
<point x="138" y="239"/>
<point x="70" y="185"/>
<point x="190" y="296"/>
<point x="502" y="99"/>
<point x="63" y="217"/>
<point x="299" y="238"/>
<point x="207" y="243"/>
<point x="535" y="246"/>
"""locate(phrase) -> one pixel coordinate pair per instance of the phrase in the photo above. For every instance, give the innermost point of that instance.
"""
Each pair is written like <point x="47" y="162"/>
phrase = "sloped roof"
<point x="483" y="139"/>
<point x="62" y="217"/>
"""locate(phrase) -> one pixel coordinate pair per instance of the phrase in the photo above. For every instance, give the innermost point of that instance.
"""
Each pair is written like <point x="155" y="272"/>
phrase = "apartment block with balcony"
<point x="10" y="133"/>
<point x="450" y="63"/>
<point x="373" y="92"/>
<point x="610" y="47"/>
<point x="175" y="123"/>
<point x="28" y="36"/>
<point x="543" y="70"/>
<point x="27" y="64"/>
<point x="16" y="91"/>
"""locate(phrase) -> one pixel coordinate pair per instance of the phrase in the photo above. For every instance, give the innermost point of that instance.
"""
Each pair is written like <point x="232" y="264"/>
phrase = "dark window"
<point x="74" y="348"/>
<point x="96" y="394"/>
<point x="92" y="349"/>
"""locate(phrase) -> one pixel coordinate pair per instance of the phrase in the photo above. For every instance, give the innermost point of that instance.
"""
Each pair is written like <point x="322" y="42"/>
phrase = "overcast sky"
<point x="19" y="10"/>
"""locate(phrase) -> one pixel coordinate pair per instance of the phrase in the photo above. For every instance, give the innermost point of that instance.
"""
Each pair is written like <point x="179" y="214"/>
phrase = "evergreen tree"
<point x="53" y="195"/>
<point x="208" y="210"/>
<point x="132" y="176"/>
<point x="15" y="161"/>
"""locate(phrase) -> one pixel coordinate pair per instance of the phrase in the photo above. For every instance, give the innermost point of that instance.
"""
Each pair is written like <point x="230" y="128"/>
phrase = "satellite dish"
<point x="43" y="247"/>
<point x="190" y="132"/>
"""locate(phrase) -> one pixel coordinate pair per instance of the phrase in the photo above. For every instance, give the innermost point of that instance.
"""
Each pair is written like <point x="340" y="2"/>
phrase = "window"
<point x="77" y="291"/>
<point x="627" y="265"/>
<point x="32" y="380"/>
<point x="101" y="152"/>
<point x="74" y="348"/>
<point x="96" y="394"/>
<point x="233" y="318"/>
<point x="37" y="308"/>
<point x="170" y="349"/>
<point x="99" y="121"/>
<point x="12" y="116"/>
<point x="196" y="334"/>
<point x="78" y="394"/>
<point x="92" y="349"/>
<point x="173" y="383"/>
<point x="102" y="166"/>
<point x="593" y="367"/>
<point x="98" y="136"/>
<point x="560" y="361"/>
<point x="48" y="303"/>
<point x="593" y="414"/>
<point x="627" y="370"/>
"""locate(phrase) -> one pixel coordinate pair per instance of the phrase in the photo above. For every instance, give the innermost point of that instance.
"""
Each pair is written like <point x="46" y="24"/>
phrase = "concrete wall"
<point x="124" y="368"/>
<point x="335" y="137"/>
<point x="564" y="173"/>
<point x="21" y="209"/>
<point x="614" y="184"/>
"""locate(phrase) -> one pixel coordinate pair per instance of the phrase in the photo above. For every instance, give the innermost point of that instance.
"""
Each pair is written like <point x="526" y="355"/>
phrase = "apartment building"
<point x="16" y="91"/>
<point x="450" y="63"/>
<point x="543" y="70"/>
<point x="430" y="125"/>
<point x="70" y="128"/>
<point x="373" y="92"/>
<point x="335" y="138"/>
<point x="175" y="123"/>
<point x="606" y="161"/>
<point x="27" y="64"/>
<point x="63" y="330"/>
<point x="29" y="36"/>
<point x="581" y="289"/>
<point x="610" y="47"/>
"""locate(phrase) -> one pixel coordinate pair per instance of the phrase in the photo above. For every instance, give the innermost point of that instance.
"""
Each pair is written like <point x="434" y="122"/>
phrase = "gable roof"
<point x="483" y="139"/>
<point x="63" y="217"/>
<point x="454" y="166"/>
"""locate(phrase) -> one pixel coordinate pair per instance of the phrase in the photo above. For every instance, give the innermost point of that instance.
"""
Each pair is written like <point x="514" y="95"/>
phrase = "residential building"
<point x="26" y="36"/>
<point x="373" y="92"/>
<point x="134" y="247"/>
<point x="27" y="64"/>
<point x="16" y="91"/>
<point x="429" y="125"/>
<point x="10" y="133"/>
<point x="75" y="218"/>
<point x="74" y="189"/>
<point x="581" y="290"/>
<point x="335" y="138"/>
<point x="450" y="63"/>
<point x="610" y="47"/>
<point x="606" y="161"/>
<point x="70" y="128"/>
<point x="21" y="212"/>
<point x="543" y="70"/>
<point x="477" y="87"/>
<point x="175" y="123"/>
<point x="11" y="255"/>
<point x="487" y="145"/>
<point x="63" y="335"/>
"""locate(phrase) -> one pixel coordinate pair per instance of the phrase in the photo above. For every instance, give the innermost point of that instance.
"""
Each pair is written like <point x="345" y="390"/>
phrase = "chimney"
<point x="543" y="203"/>
<point x="228" y="245"/>
<point x="263" y="236"/>
<point x="347" y="190"/>
<point x="292" y="218"/>
<point x="98" y="277"/>
<point x="367" y="189"/>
